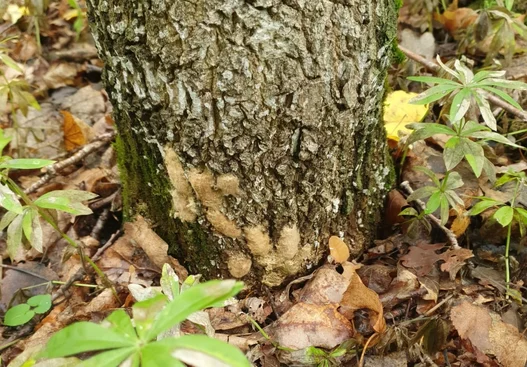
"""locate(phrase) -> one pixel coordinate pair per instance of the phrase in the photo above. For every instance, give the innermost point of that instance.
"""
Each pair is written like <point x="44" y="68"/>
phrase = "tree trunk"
<point x="250" y="131"/>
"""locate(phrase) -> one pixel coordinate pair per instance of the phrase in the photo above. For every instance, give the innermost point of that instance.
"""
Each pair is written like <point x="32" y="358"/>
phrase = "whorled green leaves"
<point x="441" y="194"/>
<point x="461" y="144"/>
<point x="467" y="89"/>
<point x="122" y="339"/>
<point x="24" y="220"/>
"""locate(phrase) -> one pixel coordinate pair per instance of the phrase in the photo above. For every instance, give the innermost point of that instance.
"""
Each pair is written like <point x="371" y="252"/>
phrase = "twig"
<point x="361" y="361"/>
<point x="80" y="273"/>
<point x="449" y="234"/>
<point x="53" y="170"/>
<point x="96" y="205"/>
<point x="103" y="218"/>
<point x="25" y="272"/>
<point x="432" y="66"/>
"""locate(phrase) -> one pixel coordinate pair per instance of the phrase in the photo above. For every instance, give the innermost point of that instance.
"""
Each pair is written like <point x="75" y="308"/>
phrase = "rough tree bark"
<point x="250" y="131"/>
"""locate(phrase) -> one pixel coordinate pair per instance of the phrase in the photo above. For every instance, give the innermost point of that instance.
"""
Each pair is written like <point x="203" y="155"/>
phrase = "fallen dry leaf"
<point x="395" y="203"/>
<point x="60" y="75"/>
<point x="76" y="132"/>
<point x="326" y="286"/>
<point x="154" y="246"/>
<point x="377" y="277"/>
<point x="422" y="257"/>
<point x="460" y="224"/>
<point x="14" y="280"/>
<point x="456" y="19"/>
<point x="87" y="104"/>
<point x="359" y="296"/>
<point x="489" y="334"/>
<point x="455" y="260"/>
<point x="306" y="325"/>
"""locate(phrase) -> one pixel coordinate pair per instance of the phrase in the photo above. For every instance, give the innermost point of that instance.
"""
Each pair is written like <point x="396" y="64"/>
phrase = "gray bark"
<point x="250" y="131"/>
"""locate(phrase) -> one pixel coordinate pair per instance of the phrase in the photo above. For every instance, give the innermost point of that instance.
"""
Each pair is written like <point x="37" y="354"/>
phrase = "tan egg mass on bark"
<point x="258" y="240"/>
<point x="288" y="242"/>
<point x="222" y="224"/>
<point x="228" y="184"/>
<point x="202" y="183"/>
<point x="239" y="265"/>
<point x="183" y="201"/>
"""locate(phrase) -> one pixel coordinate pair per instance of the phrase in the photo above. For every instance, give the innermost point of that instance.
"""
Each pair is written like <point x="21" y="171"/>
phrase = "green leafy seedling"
<point x="323" y="358"/>
<point x="506" y="215"/>
<point x="461" y="144"/>
<point x="24" y="312"/>
<point x="416" y="221"/>
<point x="78" y="25"/>
<point x="441" y="194"/>
<point x="467" y="89"/>
<point x="122" y="339"/>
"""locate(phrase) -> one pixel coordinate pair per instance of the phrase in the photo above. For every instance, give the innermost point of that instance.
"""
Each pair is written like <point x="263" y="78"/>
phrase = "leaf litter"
<point x="412" y="298"/>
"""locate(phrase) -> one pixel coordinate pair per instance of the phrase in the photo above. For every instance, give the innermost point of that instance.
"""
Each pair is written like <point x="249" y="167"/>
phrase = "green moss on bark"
<point x="151" y="198"/>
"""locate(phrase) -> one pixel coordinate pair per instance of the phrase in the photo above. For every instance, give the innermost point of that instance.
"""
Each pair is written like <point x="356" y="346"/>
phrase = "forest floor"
<point x="432" y="290"/>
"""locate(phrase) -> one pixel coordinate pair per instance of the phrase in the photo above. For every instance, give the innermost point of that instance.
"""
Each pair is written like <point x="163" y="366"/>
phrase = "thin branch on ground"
<point x="432" y="66"/>
<point x="80" y="273"/>
<point x="99" y="226"/>
<point x="27" y="272"/>
<point x="52" y="171"/>
<point x="96" y="205"/>
<point x="449" y="234"/>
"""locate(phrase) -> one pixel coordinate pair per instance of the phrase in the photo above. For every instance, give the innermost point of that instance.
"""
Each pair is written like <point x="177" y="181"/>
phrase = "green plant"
<point x="327" y="359"/>
<point x="16" y="90"/>
<point x="441" y="194"/>
<point x="135" y="341"/>
<point x="508" y="4"/>
<point x="23" y="220"/>
<point x="469" y="89"/>
<point x="496" y="28"/>
<point x="416" y="221"/>
<point x="461" y="144"/>
<point x="22" y="313"/>
<point x="506" y="215"/>
<point x="80" y="17"/>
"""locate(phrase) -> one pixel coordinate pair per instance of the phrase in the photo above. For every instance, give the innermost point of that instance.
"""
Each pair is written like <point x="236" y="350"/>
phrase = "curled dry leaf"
<point x="338" y="250"/>
<point x="456" y="19"/>
<point x="76" y="132"/>
<point x="395" y="203"/>
<point x="359" y="296"/>
<point x="489" y="334"/>
<point x="153" y="245"/>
